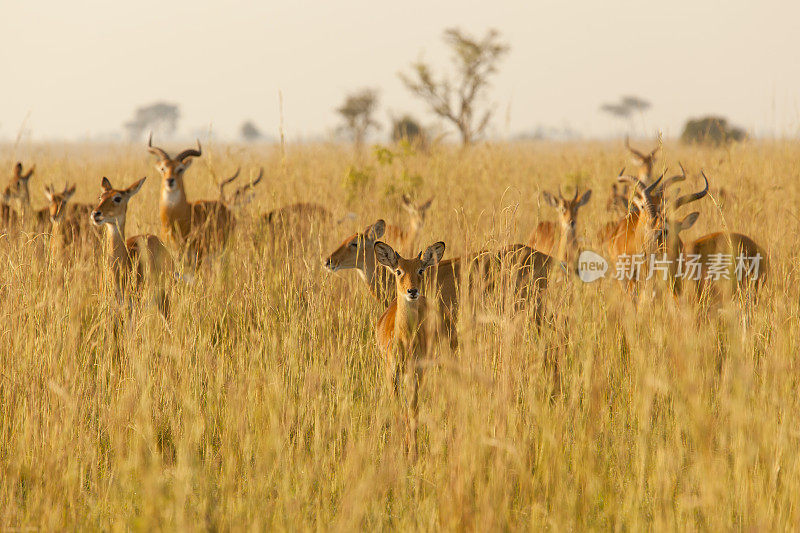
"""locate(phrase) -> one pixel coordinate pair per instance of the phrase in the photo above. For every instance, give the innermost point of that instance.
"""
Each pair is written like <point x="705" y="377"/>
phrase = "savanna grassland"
<point x="261" y="402"/>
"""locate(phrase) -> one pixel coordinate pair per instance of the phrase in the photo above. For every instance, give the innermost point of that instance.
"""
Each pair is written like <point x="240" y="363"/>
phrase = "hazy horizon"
<point x="79" y="74"/>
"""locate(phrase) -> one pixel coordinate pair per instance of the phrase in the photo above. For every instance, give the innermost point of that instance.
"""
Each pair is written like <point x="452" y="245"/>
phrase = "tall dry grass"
<point x="262" y="401"/>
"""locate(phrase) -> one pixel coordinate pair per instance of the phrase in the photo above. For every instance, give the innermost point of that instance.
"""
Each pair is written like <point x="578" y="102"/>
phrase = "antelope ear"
<point x="375" y="231"/>
<point x="48" y="193"/>
<point x="187" y="162"/>
<point x="106" y="184"/>
<point x="585" y="198"/>
<point x="18" y="170"/>
<point x="432" y="254"/>
<point x="407" y="200"/>
<point x="385" y="255"/>
<point x="550" y="199"/>
<point x="28" y="174"/>
<point x="689" y="220"/>
<point x="69" y="191"/>
<point x="133" y="189"/>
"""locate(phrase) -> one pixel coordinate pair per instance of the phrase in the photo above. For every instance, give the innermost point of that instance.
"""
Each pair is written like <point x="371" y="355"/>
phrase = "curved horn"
<point x="191" y="152"/>
<point x="633" y="150"/>
<point x="224" y="182"/>
<point x="673" y="179"/>
<point x="155" y="149"/>
<point x="683" y="200"/>
<point x="653" y="185"/>
<point x="242" y="190"/>
<point x="643" y="201"/>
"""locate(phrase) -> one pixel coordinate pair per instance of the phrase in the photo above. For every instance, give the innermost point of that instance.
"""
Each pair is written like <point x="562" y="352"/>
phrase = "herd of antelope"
<point x="421" y="290"/>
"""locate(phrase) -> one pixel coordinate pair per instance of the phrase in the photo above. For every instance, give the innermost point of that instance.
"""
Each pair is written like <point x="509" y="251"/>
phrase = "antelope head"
<point x="113" y="205"/>
<point x="357" y="251"/>
<point x="58" y="201"/>
<point x="416" y="212"/>
<point x="409" y="273"/>
<point x="645" y="160"/>
<point x="567" y="207"/>
<point x="172" y="169"/>
<point x="672" y="227"/>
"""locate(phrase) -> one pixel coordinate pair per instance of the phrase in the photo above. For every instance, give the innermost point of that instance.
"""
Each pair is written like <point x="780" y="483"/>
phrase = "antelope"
<point x="197" y="227"/>
<point x="645" y="207"/>
<point x="560" y="242"/>
<point x="709" y="249"/>
<point x="278" y="221"/>
<point x="17" y="192"/>
<point x="530" y="268"/>
<point x="407" y="239"/>
<point x="645" y="161"/>
<point x="618" y="200"/>
<point x="643" y="231"/>
<point x="405" y="329"/>
<point x="138" y="260"/>
<point x="69" y="220"/>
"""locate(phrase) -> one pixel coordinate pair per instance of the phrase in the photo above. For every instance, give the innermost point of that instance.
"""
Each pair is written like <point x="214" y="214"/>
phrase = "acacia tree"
<point x="356" y="112"/>
<point x="159" y="116"/>
<point x="456" y="99"/>
<point x="626" y="107"/>
<point x="249" y="131"/>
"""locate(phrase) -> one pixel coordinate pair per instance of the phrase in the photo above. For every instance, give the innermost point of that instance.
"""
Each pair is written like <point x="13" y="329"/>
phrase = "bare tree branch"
<point x="456" y="100"/>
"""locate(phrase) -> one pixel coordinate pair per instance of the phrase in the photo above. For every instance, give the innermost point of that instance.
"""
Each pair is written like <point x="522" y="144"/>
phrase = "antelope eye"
<point x="398" y="272"/>
<point x="421" y="271"/>
<point x="117" y="199"/>
<point x="354" y="245"/>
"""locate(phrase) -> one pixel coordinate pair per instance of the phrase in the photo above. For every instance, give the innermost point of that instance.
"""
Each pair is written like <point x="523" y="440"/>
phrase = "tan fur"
<point x="195" y="228"/>
<point x="138" y="260"/>
<point x="404" y="330"/>
<point x="70" y="221"/>
<point x="560" y="241"/>
<point x="17" y="193"/>
<point x="530" y="269"/>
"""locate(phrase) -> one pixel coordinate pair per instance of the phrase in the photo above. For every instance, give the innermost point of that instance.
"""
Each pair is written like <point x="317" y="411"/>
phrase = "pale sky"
<point x="78" y="69"/>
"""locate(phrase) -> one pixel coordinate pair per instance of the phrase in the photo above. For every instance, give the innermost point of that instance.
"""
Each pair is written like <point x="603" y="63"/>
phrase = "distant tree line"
<point x="459" y="98"/>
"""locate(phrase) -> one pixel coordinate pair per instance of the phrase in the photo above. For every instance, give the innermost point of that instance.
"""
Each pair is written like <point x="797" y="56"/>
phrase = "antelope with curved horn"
<point x="644" y="232"/>
<point x="18" y="193"/>
<point x="560" y="242"/>
<point x="403" y="239"/>
<point x="197" y="227"/>
<point x="137" y="260"/>
<point x="714" y="257"/>
<point x="645" y="161"/>
<point x="405" y="329"/>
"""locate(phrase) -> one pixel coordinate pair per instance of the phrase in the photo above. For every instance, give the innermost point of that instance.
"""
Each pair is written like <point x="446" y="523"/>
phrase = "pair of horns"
<point x="645" y="192"/>
<point x="639" y="154"/>
<point x="191" y="152"/>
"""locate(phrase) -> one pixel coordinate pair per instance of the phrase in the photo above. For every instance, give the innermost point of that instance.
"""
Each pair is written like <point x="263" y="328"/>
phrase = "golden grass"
<point x="263" y="402"/>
